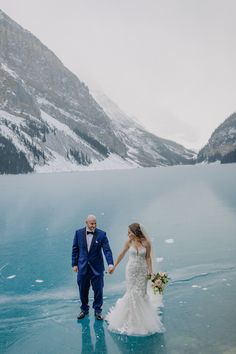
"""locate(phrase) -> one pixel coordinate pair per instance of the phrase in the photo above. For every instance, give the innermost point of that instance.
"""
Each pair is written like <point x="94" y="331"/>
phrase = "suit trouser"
<point x="84" y="281"/>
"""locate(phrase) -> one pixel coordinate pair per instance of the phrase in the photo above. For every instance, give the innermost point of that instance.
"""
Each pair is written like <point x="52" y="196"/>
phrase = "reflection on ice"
<point x="89" y="345"/>
<point x="130" y="344"/>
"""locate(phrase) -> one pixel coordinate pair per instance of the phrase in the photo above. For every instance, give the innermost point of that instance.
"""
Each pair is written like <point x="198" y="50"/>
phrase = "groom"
<point x="87" y="262"/>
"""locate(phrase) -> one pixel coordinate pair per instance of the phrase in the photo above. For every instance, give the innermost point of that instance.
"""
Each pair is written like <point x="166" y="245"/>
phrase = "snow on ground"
<point x="60" y="164"/>
<point x="12" y="118"/>
<point x="8" y="133"/>
<point x="169" y="240"/>
<point x="65" y="129"/>
<point x="54" y="123"/>
<point x="9" y="71"/>
<point x="177" y="150"/>
<point x="43" y="102"/>
<point x="11" y="276"/>
<point x="17" y="141"/>
<point x="113" y="162"/>
<point x="57" y="163"/>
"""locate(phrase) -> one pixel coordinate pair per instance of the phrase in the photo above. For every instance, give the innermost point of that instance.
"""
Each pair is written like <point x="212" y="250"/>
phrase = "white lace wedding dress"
<point x="136" y="313"/>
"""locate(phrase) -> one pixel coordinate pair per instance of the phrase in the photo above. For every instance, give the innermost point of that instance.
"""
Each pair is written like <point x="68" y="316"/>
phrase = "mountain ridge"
<point x="222" y="144"/>
<point x="51" y="117"/>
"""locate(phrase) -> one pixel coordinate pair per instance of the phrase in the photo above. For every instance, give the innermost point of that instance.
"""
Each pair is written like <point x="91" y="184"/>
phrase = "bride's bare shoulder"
<point x="127" y="243"/>
<point x="146" y="243"/>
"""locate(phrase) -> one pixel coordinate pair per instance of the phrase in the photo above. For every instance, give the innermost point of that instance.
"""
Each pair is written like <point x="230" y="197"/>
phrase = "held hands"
<point x="111" y="269"/>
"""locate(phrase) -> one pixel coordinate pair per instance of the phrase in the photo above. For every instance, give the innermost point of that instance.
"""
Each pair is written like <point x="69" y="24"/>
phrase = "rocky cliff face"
<point x="222" y="143"/>
<point x="49" y="120"/>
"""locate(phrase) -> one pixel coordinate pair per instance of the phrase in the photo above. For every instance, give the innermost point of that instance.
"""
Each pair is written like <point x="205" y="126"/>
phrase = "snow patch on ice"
<point x="11" y="276"/>
<point x="169" y="240"/>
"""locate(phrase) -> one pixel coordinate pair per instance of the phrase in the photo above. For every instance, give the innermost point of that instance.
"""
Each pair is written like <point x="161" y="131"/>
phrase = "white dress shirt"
<point x="89" y="238"/>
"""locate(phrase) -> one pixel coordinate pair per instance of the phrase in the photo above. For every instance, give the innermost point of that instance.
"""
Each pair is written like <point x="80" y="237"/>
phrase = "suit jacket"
<point x="81" y="257"/>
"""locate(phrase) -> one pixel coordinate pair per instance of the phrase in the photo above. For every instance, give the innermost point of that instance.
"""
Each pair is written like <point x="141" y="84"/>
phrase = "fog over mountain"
<point x="50" y="121"/>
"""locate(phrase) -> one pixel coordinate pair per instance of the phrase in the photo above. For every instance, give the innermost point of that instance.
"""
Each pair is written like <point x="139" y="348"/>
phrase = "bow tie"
<point x="90" y="232"/>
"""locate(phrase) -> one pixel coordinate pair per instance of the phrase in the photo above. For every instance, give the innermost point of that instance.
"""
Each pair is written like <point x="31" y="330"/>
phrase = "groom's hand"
<point x="75" y="269"/>
<point x="111" y="269"/>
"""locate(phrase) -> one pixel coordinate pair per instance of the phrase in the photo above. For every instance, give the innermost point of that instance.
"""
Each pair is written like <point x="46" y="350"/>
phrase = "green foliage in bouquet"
<point x="159" y="281"/>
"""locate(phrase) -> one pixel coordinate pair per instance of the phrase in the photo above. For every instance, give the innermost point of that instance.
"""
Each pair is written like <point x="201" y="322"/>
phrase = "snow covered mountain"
<point x="49" y="120"/>
<point x="145" y="148"/>
<point x="222" y="143"/>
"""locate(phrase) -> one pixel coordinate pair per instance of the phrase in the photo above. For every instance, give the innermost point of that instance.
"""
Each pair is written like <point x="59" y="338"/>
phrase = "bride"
<point x="135" y="313"/>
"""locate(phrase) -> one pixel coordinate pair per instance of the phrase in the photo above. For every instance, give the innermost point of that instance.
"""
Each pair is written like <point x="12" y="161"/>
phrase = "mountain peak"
<point x="5" y="20"/>
<point x="3" y="15"/>
<point x="49" y="121"/>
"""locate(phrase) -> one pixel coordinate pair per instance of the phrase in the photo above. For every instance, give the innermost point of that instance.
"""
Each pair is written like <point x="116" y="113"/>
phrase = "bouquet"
<point x="159" y="281"/>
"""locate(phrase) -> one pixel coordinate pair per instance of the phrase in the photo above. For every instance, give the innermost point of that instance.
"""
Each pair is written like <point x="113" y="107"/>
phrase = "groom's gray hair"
<point x="91" y="217"/>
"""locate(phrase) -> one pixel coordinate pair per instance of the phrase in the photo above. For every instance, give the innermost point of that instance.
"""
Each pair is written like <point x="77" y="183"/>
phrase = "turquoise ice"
<point x="190" y="214"/>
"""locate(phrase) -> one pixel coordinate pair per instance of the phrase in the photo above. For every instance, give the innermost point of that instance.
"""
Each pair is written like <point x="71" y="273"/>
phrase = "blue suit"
<point x="91" y="266"/>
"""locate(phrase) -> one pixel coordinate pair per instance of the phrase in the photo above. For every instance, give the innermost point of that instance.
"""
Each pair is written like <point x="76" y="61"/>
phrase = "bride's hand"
<point x="150" y="275"/>
<point x="111" y="269"/>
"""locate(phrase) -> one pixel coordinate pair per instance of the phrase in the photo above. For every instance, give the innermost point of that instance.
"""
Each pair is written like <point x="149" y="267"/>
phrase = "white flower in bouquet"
<point x="159" y="281"/>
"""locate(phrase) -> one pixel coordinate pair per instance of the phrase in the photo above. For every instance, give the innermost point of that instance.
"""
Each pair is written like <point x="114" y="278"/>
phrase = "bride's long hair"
<point x="138" y="231"/>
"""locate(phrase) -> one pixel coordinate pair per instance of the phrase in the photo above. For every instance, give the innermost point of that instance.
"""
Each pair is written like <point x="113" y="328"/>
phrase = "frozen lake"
<point x="189" y="212"/>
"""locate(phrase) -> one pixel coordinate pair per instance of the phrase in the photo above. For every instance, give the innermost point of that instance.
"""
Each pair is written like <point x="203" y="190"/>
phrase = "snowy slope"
<point x="222" y="143"/>
<point x="50" y="121"/>
<point x="145" y="148"/>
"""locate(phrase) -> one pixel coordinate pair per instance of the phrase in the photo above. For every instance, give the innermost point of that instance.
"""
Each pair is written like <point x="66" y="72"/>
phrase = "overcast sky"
<point x="169" y="63"/>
